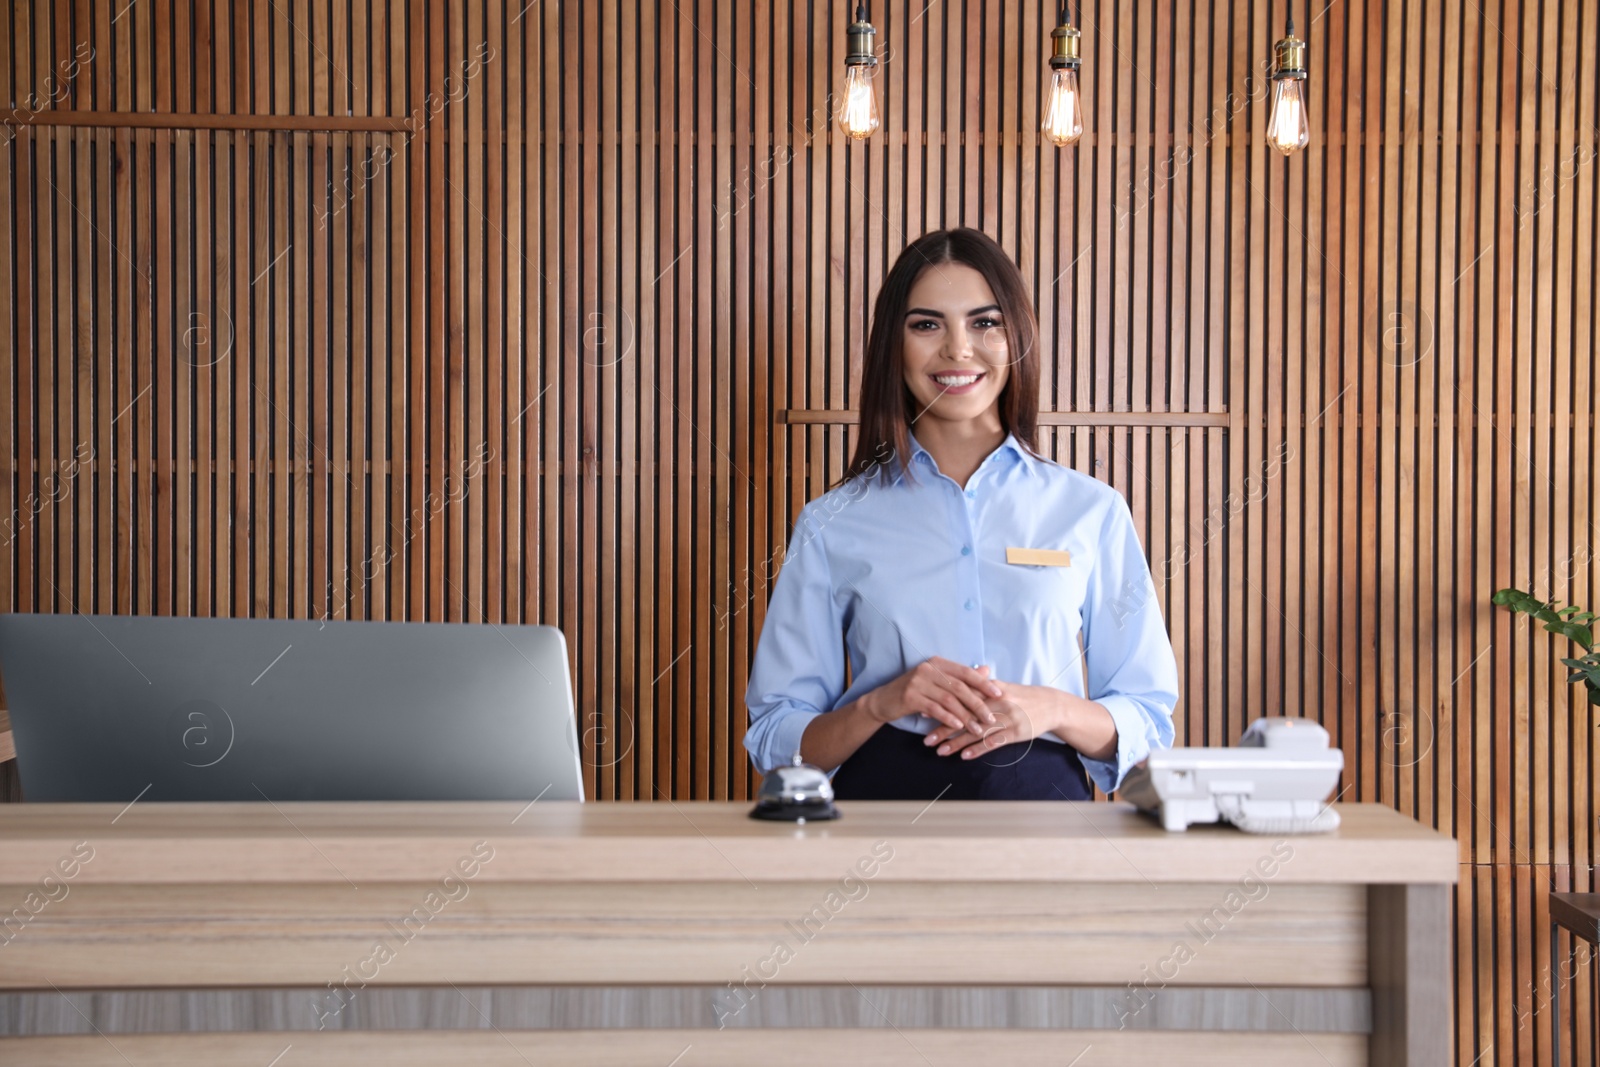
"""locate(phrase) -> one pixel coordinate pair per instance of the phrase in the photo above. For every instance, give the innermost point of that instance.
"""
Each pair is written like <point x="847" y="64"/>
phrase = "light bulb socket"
<point x="1065" y="41"/>
<point x="860" y="36"/>
<point x="1289" y="58"/>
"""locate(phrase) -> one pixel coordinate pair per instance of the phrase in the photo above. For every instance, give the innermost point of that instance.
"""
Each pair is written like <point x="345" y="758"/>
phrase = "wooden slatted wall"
<point x="548" y="313"/>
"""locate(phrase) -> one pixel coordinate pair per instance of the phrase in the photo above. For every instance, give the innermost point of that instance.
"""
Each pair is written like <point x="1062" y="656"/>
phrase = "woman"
<point x="978" y="670"/>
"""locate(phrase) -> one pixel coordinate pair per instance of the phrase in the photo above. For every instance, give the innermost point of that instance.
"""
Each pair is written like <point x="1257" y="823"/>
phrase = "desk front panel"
<point x="972" y="932"/>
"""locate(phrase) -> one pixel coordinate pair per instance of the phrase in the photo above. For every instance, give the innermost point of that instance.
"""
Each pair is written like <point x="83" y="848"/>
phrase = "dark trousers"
<point x="894" y="764"/>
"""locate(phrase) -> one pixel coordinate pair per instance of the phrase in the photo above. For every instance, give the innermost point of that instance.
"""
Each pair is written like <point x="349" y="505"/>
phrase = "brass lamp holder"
<point x="860" y="36"/>
<point x="1065" y="44"/>
<point x="1289" y="56"/>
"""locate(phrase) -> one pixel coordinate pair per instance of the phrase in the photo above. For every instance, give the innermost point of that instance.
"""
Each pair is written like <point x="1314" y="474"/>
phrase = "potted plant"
<point x="1570" y="622"/>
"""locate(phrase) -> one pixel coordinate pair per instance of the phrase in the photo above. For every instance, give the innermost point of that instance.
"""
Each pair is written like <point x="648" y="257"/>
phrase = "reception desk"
<point x="687" y="933"/>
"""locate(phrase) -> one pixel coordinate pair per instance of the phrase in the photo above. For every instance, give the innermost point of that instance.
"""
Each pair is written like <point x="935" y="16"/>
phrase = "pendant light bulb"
<point x="1288" y="128"/>
<point x="858" y="118"/>
<point x="1063" y="114"/>
<point x="1063" y="110"/>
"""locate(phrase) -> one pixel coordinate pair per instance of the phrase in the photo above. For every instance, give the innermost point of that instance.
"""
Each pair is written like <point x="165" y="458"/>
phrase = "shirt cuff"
<point x="784" y="741"/>
<point x="1133" y="743"/>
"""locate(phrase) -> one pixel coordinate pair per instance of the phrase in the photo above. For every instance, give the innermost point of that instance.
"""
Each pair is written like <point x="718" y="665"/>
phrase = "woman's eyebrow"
<point x="940" y="314"/>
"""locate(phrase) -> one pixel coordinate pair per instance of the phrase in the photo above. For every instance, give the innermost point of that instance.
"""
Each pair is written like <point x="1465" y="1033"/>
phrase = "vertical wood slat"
<point x="684" y="180"/>
<point x="670" y="271"/>
<point x="1470" y="690"/>
<point x="605" y="448"/>
<point x="76" y="486"/>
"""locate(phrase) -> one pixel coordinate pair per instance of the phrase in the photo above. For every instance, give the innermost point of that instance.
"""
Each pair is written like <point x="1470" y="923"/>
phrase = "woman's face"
<point x="954" y="345"/>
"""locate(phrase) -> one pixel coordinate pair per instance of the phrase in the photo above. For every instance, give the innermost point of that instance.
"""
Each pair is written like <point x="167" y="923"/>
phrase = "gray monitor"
<point x="113" y="707"/>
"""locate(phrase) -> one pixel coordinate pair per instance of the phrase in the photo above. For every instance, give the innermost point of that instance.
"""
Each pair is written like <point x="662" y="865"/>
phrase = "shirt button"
<point x="972" y="494"/>
<point x="969" y="604"/>
<point x="966" y="550"/>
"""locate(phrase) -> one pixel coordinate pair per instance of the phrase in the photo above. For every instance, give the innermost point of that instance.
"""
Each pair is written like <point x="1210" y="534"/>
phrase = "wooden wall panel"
<point x="426" y="310"/>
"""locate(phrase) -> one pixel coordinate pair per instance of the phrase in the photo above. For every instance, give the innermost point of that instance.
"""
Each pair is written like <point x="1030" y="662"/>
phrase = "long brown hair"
<point x="885" y="397"/>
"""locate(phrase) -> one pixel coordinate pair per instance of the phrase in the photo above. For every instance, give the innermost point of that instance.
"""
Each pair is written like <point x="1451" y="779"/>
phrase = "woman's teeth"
<point x="956" y="380"/>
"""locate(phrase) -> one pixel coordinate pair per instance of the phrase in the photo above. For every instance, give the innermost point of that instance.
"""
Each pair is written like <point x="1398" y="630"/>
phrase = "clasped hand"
<point x="975" y="714"/>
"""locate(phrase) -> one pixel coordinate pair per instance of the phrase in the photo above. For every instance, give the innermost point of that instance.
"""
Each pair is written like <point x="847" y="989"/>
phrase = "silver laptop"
<point x="113" y="707"/>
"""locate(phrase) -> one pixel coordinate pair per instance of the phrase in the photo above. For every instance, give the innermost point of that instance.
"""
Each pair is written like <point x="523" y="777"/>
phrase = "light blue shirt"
<point x="898" y="573"/>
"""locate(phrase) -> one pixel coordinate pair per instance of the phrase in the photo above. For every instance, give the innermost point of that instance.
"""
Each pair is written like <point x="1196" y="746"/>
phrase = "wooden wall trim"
<point x="812" y="417"/>
<point x="409" y="123"/>
<point x="176" y="120"/>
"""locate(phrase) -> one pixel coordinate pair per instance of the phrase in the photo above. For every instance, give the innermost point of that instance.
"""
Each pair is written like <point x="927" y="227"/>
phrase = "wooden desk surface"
<point x="992" y="841"/>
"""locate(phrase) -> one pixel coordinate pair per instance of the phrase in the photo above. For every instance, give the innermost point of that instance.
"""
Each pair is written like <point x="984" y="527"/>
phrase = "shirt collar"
<point x="1011" y="445"/>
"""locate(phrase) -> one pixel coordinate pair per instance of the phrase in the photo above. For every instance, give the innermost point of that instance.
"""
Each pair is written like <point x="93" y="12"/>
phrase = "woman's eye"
<point x="924" y="322"/>
<point x="986" y="322"/>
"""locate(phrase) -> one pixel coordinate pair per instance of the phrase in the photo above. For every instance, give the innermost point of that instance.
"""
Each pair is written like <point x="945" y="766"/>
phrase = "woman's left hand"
<point x="1022" y="713"/>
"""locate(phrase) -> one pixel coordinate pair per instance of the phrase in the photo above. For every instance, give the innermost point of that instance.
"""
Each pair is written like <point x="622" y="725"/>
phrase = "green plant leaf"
<point x="1573" y="631"/>
<point x="1568" y="622"/>
<point x="1518" y="601"/>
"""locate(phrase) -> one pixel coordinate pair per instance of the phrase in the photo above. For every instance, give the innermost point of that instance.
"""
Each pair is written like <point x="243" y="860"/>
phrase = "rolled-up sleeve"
<point x="798" y="672"/>
<point x="1132" y="672"/>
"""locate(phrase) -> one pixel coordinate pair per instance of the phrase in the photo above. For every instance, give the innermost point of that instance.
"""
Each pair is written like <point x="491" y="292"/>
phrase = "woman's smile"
<point x="959" y="383"/>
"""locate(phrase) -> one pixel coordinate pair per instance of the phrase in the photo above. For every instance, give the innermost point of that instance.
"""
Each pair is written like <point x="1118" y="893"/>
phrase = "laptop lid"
<point x="107" y="708"/>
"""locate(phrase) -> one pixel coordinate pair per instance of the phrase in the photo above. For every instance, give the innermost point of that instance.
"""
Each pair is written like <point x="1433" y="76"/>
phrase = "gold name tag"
<point x="1039" y="557"/>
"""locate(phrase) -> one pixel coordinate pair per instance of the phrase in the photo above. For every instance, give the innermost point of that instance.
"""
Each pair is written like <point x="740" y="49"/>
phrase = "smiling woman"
<point x="953" y="307"/>
<point x="965" y="577"/>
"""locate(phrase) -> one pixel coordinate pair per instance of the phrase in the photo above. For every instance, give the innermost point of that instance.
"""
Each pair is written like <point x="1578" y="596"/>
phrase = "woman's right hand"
<point x="941" y="689"/>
